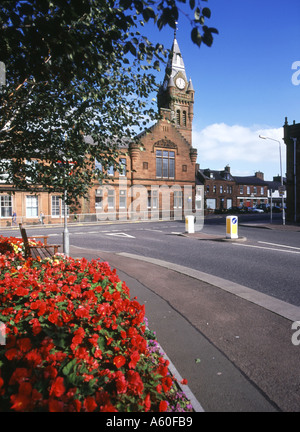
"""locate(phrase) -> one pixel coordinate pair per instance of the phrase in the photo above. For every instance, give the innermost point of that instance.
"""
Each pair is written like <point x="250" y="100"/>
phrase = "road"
<point x="268" y="261"/>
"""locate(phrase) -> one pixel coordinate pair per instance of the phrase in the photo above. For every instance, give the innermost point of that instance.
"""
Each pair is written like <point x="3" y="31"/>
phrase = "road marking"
<point x="267" y="248"/>
<point x="280" y="245"/>
<point x="121" y="234"/>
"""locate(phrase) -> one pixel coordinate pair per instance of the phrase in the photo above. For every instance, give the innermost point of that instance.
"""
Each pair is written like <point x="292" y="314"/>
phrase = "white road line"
<point x="280" y="245"/>
<point x="267" y="248"/>
<point x="121" y="234"/>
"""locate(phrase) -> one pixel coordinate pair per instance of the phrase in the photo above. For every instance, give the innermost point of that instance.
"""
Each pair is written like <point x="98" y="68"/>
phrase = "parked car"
<point x="234" y="210"/>
<point x="276" y="209"/>
<point x="264" y="207"/>
<point x="255" y="210"/>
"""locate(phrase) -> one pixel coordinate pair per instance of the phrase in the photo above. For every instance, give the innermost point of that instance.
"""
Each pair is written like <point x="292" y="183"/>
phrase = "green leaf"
<point x="69" y="366"/>
<point x="74" y="379"/>
<point x="206" y="12"/>
<point x="197" y="13"/>
<point x="196" y="37"/>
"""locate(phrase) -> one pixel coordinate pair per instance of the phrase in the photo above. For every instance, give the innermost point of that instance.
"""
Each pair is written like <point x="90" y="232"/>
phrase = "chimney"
<point x="259" y="175"/>
<point x="227" y="168"/>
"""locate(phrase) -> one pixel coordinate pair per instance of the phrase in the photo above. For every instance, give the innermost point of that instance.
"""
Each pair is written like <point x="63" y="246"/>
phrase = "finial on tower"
<point x="175" y="30"/>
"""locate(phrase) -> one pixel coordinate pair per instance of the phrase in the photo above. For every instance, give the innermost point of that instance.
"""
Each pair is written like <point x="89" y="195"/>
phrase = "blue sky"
<point x="243" y="83"/>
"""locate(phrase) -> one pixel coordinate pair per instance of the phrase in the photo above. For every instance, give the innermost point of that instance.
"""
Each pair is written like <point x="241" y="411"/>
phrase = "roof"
<point x="190" y="86"/>
<point x="274" y="184"/>
<point x="250" y="180"/>
<point x="114" y="141"/>
<point x="177" y="64"/>
<point x="225" y="175"/>
<point x="217" y="175"/>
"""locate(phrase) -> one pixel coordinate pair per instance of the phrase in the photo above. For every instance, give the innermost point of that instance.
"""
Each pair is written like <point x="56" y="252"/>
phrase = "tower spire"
<point x="176" y="95"/>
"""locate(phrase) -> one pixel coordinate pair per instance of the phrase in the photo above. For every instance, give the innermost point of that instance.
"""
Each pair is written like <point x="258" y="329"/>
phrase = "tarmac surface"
<point x="233" y="344"/>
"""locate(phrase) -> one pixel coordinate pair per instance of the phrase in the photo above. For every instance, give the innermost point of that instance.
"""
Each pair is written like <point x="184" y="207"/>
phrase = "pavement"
<point x="233" y="344"/>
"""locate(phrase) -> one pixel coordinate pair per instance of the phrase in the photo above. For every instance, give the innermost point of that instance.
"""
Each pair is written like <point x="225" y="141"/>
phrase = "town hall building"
<point x="159" y="169"/>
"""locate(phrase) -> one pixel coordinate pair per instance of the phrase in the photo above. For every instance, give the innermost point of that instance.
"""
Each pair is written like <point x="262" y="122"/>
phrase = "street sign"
<point x="281" y="190"/>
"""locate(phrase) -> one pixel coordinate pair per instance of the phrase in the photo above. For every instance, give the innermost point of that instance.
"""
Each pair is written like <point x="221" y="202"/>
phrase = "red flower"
<point x="123" y="334"/>
<point x="57" y="388"/>
<point x="167" y="383"/>
<point x="82" y="312"/>
<point x="55" y="405"/>
<point x="22" y="400"/>
<point x="19" y="375"/>
<point x="135" y="383"/>
<point x="11" y="354"/>
<point x="94" y="339"/>
<point x="121" y="382"/>
<point x="34" y="357"/>
<point x="36" y="326"/>
<point x="90" y="404"/>
<point x="24" y="344"/>
<point x="109" y="408"/>
<point x="134" y="358"/>
<point x="50" y="372"/>
<point x="163" y="406"/>
<point x="55" y="318"/>
<point x="77" y="405"/>
<point x="162" y="370"/>
<point x="21" y="292"/>
<point x="147" y="403"/>
<point x="98" y="354"/>
<point x="119" y="361"/>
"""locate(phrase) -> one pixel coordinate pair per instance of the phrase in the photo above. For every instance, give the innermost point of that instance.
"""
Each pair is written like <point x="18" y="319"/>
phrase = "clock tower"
<point x="176" y="95"/>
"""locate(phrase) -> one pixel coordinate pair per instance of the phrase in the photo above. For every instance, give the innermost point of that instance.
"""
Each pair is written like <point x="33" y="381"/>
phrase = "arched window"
<point x="184" y="118"/>
<point x="178" y="117"/>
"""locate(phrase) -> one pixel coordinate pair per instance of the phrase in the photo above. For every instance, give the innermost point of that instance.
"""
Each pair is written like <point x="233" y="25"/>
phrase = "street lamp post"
<point x="282" y="197"/>
<point x="66" y="241"/>
<point x="295" y="178"/>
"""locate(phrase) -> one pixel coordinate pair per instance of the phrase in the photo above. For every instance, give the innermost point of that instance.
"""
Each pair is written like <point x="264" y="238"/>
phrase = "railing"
<point x="85" y="218"/>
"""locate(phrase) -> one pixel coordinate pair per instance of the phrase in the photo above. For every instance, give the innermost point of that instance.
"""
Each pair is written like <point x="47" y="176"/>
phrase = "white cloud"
<point x="241" y="148"/>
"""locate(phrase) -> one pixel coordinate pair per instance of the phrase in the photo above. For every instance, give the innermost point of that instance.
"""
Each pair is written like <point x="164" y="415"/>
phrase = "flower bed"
<point x="75" y="340"/>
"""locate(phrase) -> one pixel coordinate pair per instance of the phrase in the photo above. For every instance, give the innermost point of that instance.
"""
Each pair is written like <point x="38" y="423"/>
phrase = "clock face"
<point x="180" y="83"/>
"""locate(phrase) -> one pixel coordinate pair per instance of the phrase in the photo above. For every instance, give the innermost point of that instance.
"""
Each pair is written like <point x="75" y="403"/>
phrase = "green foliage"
<point x="78" y="68"/>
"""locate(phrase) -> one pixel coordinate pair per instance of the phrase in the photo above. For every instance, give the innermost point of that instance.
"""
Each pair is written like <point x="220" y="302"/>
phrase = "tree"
<point x="77" y="69"/>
